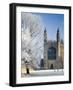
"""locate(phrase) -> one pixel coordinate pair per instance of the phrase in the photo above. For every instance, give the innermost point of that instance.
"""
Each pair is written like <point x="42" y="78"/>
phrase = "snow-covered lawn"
<point x="45" y="73"/>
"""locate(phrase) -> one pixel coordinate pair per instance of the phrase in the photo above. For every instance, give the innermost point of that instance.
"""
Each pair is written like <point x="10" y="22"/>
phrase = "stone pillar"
<point x="45" y="50"/>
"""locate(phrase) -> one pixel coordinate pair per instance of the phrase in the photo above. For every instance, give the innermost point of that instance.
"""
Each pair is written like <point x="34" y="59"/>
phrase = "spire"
<point x="58" y="35"/>
<point x="45" y="30"/>
<point x="58" y="30"/>
<point x="45" y="34"/>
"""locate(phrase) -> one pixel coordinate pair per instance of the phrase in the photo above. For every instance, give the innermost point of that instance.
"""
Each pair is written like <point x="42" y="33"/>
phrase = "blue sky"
<point x="52" y="22"/>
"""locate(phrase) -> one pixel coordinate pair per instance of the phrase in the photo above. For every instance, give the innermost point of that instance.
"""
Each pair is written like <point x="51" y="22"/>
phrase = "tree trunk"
<point x="27" y="70"/>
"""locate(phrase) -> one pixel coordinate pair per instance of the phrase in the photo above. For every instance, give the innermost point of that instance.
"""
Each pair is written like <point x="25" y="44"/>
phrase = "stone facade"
<point x="53" y="52"/>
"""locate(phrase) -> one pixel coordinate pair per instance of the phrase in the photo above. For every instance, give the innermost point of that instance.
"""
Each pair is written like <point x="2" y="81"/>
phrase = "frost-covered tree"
<point x="32" y="38"/>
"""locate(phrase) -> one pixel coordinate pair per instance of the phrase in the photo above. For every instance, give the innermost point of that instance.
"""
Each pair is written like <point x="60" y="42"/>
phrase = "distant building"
<point x="53" y="52"/>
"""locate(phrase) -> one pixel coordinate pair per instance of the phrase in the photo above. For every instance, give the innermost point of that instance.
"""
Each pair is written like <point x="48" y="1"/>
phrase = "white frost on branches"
<point x="32" y="38"/>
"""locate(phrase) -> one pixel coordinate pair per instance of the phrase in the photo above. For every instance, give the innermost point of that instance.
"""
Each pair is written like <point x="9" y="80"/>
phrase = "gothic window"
<point x="51" y="53"/>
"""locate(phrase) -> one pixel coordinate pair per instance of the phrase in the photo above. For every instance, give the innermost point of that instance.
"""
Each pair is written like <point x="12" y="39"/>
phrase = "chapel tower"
<point x="58" y="44"/>
<point x="45" y="50"/>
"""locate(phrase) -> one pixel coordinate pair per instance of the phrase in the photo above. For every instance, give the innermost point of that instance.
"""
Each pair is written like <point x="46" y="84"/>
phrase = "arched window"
<point x="51" y="53"/>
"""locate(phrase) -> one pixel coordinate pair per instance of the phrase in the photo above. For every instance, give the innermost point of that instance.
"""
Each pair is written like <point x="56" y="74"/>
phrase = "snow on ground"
<point x="45" y="73"/>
